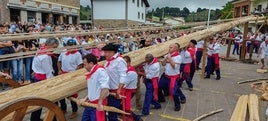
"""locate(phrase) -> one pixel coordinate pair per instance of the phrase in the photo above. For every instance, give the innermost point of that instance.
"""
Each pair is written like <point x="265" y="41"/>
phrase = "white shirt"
<point x="152" y="70"/>
<point x="169" y="70"/>
<point x="264" y="48"/>
<point x="132" y="79"/>
<point x="185" y="57"/>
<point x="42" y="64"/>
<point x="216" y="48"/>
<point x="96" y="82"/>
<point x="238" y="39"/>
<point x="209" y="51"/>
<point x="117" y="71"/>
<point x="70" y="62"/>
<point x="200" y="44"/>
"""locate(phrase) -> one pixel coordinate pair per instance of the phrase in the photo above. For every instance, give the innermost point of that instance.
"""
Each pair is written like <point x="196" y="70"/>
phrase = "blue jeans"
<point x="28" y="70"/>
<point x="149" y="98"/>
<point x="199" y="55"/>
<point x="17" y="71"/>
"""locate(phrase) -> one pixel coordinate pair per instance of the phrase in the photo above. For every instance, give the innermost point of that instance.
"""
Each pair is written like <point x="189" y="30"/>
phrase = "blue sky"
<point x="191" y="4"/>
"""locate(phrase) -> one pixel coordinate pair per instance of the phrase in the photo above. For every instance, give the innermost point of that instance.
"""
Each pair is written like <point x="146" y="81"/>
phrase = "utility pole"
<point x="163" y="16"/>
<point x="208" y="18"/>
<point x="92" y="15"/>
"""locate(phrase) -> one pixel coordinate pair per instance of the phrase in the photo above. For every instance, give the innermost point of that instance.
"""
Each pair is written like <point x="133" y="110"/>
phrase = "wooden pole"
<point x="204" y="58"/>
<point x="244" y="46"/>
<point x="229" y="48"/>
<point x="207" y="114"/>
<point x="62" y="86"/>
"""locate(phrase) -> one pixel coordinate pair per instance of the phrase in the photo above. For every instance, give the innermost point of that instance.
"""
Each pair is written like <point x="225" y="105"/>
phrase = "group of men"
<point x="115" y="83"/>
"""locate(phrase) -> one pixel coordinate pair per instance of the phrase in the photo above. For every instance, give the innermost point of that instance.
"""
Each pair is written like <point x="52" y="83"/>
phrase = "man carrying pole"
<point x="42" y="68"/>
<point x="169" y="79"/>
<point x="70" y="61"/>
<point x="116" y="68"/>
<point x="98" y="89"/>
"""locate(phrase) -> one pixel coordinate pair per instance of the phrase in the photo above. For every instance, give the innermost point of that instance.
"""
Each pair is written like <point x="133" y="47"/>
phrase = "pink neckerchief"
<point x="71" y="52"/>
<point x="131" y="68"/>
<point x="111" y="59"/>
<point x="154" y="61"/>
<point x="93" y="70"/>
<point x="176" y="53"/>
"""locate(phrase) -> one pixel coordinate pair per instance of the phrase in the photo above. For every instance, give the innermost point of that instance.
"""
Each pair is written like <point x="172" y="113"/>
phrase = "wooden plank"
<point x="261" y="71"/>
<point x="240" y="111"/>
<point x="56" y="88"/>
<point x="253" y="105"/>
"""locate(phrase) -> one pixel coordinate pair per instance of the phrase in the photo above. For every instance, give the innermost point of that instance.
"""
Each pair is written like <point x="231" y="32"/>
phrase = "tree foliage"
<point x="227" y="11"/>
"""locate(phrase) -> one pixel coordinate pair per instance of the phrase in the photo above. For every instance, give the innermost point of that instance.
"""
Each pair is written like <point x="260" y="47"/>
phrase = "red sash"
<point x="111" y="59"/>
<point x="40" y="76"/>
<point x="187" y="68"/>
<point x="155" y="86"/>
<point x="128" y="94"/>
<point x="94" y="69"/>
<point x="172" y="84"/>
<point x="71" y="52"/>
<point x="199" y="49"/>
<point x="216" y="61"/>
<point x="100" y="115"/>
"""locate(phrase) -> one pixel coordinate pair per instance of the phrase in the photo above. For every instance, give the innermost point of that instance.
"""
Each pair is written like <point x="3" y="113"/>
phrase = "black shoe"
<point x="213" y="73"/>
<point x="218" y="78"/>
<point x="207" y="77"/>
<point x="177" y="109"/>
<point x="183" y="101"/>
<point x="191" y="89"/>
<point x="157" y="107"/>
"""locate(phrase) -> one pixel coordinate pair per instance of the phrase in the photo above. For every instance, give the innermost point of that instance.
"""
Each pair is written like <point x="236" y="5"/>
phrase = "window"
<point x="133" y="1"/>
<point x="142" y="16"/>
<point x="141" y="3"/>
<point x="138" y="3"/>
<point x="139" y="15"/>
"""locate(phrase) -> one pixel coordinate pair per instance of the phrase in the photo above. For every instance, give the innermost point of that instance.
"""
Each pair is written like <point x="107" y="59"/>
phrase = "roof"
<point x="146" y="3"/>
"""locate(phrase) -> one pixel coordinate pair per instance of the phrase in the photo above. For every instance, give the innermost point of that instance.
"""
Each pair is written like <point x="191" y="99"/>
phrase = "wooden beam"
<point x="65" y="85"/>
<point x="244" y="45"/>
<point x="204" y="58"/>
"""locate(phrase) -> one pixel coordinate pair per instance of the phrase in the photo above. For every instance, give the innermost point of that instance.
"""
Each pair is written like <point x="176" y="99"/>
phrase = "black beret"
<point x="193" y="41"/>
<point x="110" y="47"/>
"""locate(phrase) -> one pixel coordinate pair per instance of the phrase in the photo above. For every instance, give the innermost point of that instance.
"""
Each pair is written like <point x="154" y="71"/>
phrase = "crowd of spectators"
<point x="20" y="69"/>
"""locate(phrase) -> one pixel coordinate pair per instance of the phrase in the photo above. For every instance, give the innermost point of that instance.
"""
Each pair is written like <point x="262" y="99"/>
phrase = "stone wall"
<point x="4" y="11"/>
<point x="116" y="23"/>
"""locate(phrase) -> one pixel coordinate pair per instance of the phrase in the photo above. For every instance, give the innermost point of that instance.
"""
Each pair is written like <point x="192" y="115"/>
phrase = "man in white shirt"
<point x="169" y="79"/>
<point x="131" y="86"/>
<point x="199" y="53"/>
<point x="98" y="89"/>
<point x="264" y="53"/>
<point x="116" y="68"/>
<point x="214" y="50"/>
<point x="43" y="68"/>
<point x="151" y="74"/>
<point x="70" y="61"/>
<point x="238" y="39"/>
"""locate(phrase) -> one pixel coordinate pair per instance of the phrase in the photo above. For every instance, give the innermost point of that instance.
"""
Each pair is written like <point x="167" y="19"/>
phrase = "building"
<point x="119" y="13"/>
<point x="247" y="7"/>
<point x="174" y="21"/>
<point x="42" y="11"/>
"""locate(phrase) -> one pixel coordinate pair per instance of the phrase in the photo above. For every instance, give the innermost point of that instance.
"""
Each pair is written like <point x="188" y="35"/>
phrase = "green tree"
<point x="198" y="10"/>
<point x="227" y="11"/>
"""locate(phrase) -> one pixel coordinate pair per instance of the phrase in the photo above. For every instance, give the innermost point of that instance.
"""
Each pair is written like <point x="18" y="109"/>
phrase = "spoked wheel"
<point x="20" y="106"/>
